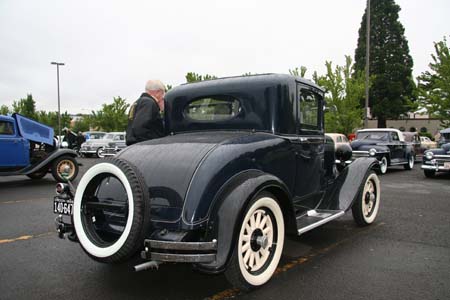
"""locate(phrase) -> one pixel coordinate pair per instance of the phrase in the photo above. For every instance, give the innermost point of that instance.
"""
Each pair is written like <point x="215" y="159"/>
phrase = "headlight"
<point x="429" y="155"/>
<point x="372" y="152"/>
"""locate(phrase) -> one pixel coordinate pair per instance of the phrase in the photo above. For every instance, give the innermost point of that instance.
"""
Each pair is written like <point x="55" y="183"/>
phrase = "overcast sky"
<point x="111" y="48"/>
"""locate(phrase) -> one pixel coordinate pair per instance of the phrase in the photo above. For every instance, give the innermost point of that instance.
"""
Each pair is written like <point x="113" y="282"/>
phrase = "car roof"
<point x="6" y="118"/>
<point x="256" y="79"/>
<point x="400" y="134"/>
<point x="334" y="134"/>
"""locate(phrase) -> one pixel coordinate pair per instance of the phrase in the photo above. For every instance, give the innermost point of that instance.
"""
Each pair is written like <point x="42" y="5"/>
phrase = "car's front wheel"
<point x="410" y="164"/>
<point x="100" y="152"/>
<point x="383" y="165"/>
<point x="259" y="244"/>
<point x="365" y="208"/>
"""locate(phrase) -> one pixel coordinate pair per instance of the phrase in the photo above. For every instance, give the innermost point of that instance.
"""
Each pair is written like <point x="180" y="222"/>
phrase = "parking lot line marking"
<point x="20" y="201"/>
<point x="233" y="292"/>
<point x="25" y="237"/>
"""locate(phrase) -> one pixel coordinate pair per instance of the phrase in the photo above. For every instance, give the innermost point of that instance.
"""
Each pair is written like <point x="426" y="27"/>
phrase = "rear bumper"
<point x="184" y="252"/>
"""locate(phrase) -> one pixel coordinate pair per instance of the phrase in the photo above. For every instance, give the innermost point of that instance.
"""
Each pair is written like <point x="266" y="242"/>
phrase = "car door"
<point x="14" y="149"/>
<point x="309" y="148"/>
<point x="398" y="148"/>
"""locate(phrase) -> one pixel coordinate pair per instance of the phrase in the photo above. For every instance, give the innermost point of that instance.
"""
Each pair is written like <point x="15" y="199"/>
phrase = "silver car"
<point x="97" y="146"/>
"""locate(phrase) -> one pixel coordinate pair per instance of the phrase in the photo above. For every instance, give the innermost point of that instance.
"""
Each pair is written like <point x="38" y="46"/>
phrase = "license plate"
<point x="447" y="165"/>
<point x="63" y="206"/>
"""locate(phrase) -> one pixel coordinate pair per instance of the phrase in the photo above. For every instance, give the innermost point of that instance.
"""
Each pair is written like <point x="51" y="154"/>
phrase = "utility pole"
<point x="366" y="107"/>
<point x="59" y="102"/>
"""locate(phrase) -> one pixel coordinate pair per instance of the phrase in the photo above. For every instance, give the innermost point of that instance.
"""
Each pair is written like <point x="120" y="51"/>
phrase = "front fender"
<point x="48" y="160"/>
<point x="229" y="209"/>
<point x="342" y="193"/>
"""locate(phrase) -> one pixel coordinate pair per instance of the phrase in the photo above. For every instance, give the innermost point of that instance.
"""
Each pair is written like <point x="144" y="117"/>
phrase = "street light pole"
<point x="366" y="106"/>
<point x="59" y="102"/>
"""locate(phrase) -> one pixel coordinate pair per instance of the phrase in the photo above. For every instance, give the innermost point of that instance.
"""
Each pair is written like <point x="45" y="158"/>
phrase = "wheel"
<point x="259" y="244"/>
<point x="410" y="164"/>
<point x="100" y="152"/>
<point x="64" y="168"/>
<point x="383" y="165"/>
<point x="111" y="228"/>
<point x="429" y="173"/>
<point x="365" y="208"/>
<point x="38" y="174"/>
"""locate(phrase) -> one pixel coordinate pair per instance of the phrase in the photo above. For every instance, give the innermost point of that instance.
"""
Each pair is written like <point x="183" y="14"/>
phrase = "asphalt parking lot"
<point x="404" y="255"/>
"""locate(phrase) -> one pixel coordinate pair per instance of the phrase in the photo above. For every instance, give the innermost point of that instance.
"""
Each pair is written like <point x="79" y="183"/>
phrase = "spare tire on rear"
<point x="111" y="211"/>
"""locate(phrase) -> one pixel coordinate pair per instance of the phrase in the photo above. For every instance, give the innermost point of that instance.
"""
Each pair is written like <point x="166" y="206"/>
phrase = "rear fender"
<point x="342" y="193"/>
<point x="229" y="208"/>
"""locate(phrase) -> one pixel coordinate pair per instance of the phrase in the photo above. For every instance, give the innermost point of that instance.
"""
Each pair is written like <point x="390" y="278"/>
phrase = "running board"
<point x="315" y="218"/>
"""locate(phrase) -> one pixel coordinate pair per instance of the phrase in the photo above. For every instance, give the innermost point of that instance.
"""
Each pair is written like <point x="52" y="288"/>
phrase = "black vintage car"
<point x="436" y="160"/>
<point x="244" y="165"/>
<point x="387" y="145"/>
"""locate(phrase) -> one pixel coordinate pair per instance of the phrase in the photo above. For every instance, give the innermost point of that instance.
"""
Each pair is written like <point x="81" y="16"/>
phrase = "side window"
<point x="394" y="136"/>
<point x="344" y="139"/>
<point x="308" y="109"/>
<point x="339" y="139"/>
<point x="6" y="128"/>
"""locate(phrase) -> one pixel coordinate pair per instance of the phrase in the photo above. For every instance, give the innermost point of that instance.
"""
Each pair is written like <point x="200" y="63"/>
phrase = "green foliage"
<point x="434" y="85"/>
<point x="112" y="117"/>
<point x="393" y="88"/>
<point x="25" y="107"/>
<point x="168" y="87"/>
<point x="194" y="77"/>
<point x="427" y="134"/>
<point x="4" y="110"/>
<point x="50" y="118"/>
<point x="298" y="72"/>
<point x="343" y="93"/>
<point x="83" y="124"/>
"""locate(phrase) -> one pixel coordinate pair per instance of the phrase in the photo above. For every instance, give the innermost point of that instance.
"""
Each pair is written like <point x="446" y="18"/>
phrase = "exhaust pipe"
<point x="153" y="264"/>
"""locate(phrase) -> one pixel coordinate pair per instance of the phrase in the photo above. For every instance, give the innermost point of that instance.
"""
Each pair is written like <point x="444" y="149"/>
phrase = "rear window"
<point x="214" y="108"/>
<point x="6" y="128"/>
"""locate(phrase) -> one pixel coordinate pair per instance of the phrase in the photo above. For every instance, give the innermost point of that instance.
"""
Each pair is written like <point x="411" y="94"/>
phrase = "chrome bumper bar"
<point x="186" y="252"/>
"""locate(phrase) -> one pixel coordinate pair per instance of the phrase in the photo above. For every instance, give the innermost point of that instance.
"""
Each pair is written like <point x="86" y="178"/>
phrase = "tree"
<point x="393" y="87"/>
<point x="25" y="107"/>
<point x="83" y="124"/>
<point x="194" y="77"/>
<point x="112" y="117"/>
<point x="298" y="72"/>
<point x="50" y="118"/>
<point x="343" y="92"/>
<point x="4" y="110"/>
<point x="434" y="85"/>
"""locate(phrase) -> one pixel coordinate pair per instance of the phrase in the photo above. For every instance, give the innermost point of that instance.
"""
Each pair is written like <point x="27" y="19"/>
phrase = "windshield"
<point x="373" y="135"/>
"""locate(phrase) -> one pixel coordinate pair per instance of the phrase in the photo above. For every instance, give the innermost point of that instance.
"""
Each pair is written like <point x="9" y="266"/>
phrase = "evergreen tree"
<point x="434" y="85"/>
<point x="390" y="63"/>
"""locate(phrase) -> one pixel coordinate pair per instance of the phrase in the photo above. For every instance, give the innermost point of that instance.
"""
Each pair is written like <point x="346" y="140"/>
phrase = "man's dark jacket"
<point x="144" y="120"/>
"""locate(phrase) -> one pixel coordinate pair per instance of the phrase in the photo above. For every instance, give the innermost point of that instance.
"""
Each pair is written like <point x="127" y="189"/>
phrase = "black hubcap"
<point x="253" y="240"/>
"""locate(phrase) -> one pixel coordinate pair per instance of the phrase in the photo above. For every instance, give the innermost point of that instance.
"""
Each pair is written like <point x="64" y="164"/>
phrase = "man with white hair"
<point x="144" y="118"/>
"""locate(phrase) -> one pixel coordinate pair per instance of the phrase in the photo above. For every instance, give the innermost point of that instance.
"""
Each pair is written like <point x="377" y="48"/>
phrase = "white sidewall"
<point x="87" y="244"/>
<point x="383" y="167"/>
<point x="374" y="178"/>
<point x="260" y="279"/>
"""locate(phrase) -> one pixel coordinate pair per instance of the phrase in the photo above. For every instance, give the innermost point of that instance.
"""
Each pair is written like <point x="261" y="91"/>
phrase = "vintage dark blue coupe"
<point x="436" y="160"/>
<point x="245" y="164"/>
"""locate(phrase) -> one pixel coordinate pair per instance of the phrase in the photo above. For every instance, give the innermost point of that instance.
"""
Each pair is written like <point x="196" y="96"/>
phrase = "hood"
<point x="168" y="165"/>
<point x="357" y="143"/>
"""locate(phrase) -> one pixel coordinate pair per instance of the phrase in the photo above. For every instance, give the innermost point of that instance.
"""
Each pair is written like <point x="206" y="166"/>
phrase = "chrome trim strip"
<point x="185" y="258"/>
<point x="435" y="168"/>
<point x="191" y="246"/>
